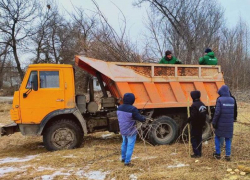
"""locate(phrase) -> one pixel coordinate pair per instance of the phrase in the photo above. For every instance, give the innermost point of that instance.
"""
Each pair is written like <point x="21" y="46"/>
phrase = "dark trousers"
<point x="196" y="140"/>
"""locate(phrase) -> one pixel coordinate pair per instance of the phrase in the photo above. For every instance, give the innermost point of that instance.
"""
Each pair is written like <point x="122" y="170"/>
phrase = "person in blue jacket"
<point x="223" y="122"/>
<point x="127" y="116"/>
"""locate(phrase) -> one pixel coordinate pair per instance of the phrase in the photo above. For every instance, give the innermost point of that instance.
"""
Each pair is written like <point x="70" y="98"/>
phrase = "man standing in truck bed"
<point x="209" y="58"/>
<point x="127" y="116"/>
<point x="169" y="59"/>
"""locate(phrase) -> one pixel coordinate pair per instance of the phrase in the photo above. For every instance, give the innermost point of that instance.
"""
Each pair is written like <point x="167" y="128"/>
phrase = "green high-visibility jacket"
<point x="173" y="60"/>
<point x="208" y="59"/>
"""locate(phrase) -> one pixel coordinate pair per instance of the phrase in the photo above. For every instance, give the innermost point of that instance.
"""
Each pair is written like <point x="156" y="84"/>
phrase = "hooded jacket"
<point x="235" y="107"/>
<point x="173" y="60"/>
<point x="127" y="115"/>
<point x="208" y="59"/>
<point x="224" y="114"/>
<point x="198" y="113"/>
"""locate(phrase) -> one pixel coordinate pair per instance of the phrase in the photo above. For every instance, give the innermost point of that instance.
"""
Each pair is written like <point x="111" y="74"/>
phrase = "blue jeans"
<point x="128" y="144"/>
<point x="218" y="144"/>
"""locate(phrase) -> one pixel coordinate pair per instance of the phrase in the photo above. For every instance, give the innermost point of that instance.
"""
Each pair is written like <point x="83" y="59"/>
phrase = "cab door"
<point x="49" y="97"/>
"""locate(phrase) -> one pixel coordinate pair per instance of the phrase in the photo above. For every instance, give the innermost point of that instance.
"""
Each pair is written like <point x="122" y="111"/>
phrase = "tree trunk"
<point x="2" y="66"/>
<point x="1" y="80"/>
<point x="189" y="57"/>
<point x="20" y="71"/>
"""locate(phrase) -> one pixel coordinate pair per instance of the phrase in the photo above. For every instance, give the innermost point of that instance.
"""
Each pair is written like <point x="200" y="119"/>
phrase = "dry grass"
<point x="98" y="154"/>
<point x="4" y="113"/>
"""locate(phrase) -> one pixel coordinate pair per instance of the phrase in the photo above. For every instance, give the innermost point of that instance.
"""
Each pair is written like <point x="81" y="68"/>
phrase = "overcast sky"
<point x="134" y="15"/>
<point x="234" y="9"/>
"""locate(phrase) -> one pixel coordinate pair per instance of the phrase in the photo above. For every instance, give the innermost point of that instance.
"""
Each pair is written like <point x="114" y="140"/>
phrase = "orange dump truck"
<point x="46" y="103"/>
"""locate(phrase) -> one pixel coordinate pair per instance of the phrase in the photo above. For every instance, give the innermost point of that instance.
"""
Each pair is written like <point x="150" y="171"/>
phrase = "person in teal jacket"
<point x="169" y="59"/>
<point x="209" y="58"/>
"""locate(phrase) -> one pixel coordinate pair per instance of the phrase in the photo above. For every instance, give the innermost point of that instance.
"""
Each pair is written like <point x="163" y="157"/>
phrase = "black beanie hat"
<point x="195" y="94"/>
<point x="208" y="50"/>
<point x="168" y="52"/>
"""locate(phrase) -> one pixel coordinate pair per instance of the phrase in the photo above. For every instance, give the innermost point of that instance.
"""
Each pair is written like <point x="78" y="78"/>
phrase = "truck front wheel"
<point x="62" y="134"/>
<point x="164" y="130"/>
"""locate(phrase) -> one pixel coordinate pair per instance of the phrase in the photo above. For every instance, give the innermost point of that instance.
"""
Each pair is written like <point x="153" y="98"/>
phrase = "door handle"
<point x="59" y="100"/>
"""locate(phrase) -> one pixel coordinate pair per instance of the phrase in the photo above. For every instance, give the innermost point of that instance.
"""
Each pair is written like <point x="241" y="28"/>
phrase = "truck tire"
<point x="206" y="132"/>
<point x="164" y="131"/>
<point x="62" y="134"/>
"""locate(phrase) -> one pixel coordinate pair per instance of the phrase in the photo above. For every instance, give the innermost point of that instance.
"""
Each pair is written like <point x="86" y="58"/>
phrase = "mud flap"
<point x="9" y="129"/>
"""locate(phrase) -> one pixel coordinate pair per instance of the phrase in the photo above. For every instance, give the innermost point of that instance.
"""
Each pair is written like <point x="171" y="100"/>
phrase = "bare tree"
<point x="187" y="22"/>
<point x="96" y="38"/>
<point x="49" y="35"/>
<point x="84" y="25"/>
<point x="234" y="56"/>
<point x="3" y="57"/>
<point x="111" y="44"/>
<point x="41" y="33"/>
<point x="15" y="24"/>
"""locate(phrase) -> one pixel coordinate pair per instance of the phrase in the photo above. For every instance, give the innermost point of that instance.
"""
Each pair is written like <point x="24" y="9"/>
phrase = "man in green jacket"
<point x="209" y="58"/>
<point x="169" y="59"/>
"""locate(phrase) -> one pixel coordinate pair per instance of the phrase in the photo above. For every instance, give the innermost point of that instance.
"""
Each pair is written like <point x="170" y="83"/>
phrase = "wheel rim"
<point x="62" y="138"/>
<point x="163" y="132"/>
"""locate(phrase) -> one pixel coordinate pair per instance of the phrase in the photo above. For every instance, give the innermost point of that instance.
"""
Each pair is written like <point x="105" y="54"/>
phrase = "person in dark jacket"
<point x="223" y="122"/>
<point x="127" y="116"/>
<point x="235" y="107"/>
<point x="222" y="140"/>
<point x="169" y="59"/>
<point x="197" y="120"/>
<point x="209" y="58"/>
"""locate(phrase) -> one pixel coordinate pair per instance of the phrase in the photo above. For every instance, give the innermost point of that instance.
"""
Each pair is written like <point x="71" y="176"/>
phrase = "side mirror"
<point x="34" y="82"/>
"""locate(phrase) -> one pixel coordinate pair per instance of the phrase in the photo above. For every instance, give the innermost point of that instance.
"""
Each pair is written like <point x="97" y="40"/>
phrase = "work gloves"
<point x="149" y="120"/>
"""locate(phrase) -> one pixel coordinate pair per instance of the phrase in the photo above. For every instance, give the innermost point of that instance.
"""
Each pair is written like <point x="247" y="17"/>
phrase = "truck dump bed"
<point x="157" y="85"/>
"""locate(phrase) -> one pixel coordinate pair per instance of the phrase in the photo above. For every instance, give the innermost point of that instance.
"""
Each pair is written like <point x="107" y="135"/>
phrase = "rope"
<point x="209" y="110"/>
<point x="140" y="133"/>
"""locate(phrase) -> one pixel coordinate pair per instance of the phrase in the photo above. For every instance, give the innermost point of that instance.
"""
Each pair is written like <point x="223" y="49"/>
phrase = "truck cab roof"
<point x="50" y="66"/>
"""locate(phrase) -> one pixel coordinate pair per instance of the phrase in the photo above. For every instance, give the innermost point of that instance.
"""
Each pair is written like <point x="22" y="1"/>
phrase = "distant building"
<point x="11" y="78"/>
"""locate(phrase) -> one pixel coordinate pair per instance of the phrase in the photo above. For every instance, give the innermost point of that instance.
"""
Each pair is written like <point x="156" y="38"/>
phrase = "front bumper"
<point x="9" y="129"/>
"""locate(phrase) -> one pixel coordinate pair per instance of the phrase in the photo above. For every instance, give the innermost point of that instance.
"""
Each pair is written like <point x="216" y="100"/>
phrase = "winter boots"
<point x="227" y="158"/>
<point x="195" y="156"/>
<point x="217" y="156"/>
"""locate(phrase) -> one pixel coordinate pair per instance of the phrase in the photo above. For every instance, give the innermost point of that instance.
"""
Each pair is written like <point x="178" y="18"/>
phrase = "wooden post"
<point x="189" y="135"/>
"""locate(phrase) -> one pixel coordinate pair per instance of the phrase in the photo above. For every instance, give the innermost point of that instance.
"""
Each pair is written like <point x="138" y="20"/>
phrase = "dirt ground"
<point x="99" y="157"/>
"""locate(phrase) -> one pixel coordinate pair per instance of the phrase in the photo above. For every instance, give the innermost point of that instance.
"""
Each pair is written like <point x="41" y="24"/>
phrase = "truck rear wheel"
<point x="206" y="131"/>
<point x="62" y="134"/>
<point x="164" y="131"/>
